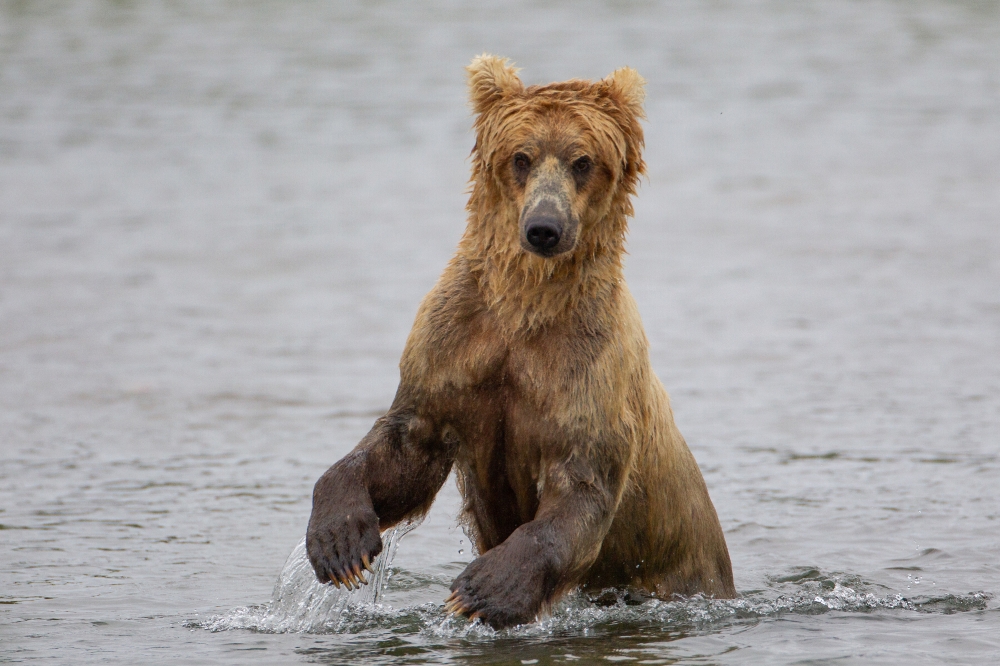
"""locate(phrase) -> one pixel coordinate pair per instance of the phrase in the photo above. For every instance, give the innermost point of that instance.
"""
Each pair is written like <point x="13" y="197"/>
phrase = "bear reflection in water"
<point x="527" y="370"/>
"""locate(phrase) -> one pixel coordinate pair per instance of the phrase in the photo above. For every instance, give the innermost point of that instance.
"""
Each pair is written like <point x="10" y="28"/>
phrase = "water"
<point x="216" y="223"/>
<point x="300" y="604"/>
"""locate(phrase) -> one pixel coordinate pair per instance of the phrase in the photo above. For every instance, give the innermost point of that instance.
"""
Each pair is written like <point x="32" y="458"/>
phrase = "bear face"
<point x="558" y="178"/>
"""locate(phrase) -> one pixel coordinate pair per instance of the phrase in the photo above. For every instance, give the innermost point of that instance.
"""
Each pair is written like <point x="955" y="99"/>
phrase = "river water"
<point x="217" y="221"/>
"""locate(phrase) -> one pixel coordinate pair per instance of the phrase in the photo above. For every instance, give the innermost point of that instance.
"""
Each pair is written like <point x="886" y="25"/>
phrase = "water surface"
<point x="217" y="222"/>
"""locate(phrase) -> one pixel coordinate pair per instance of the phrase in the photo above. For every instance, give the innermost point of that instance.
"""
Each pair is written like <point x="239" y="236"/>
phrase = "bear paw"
<point x="500" y="589"/>
<point x="341" y="545"/>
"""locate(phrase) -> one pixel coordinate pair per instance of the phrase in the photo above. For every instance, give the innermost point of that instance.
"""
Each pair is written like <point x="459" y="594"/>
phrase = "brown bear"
<point x="527" y="370"/>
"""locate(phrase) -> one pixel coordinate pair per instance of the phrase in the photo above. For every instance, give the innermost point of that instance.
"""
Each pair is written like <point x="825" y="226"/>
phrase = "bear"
<point x="527" y="371"/>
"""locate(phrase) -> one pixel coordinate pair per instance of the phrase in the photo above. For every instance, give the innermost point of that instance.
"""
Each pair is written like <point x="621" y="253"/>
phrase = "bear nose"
<point x="543" y="234"/>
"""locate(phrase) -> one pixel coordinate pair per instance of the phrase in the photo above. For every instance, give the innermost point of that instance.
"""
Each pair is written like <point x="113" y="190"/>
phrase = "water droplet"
<point x="461" y="551"/>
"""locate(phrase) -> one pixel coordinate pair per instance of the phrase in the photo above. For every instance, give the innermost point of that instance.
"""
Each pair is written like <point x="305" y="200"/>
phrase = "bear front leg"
<point x="511" y="583"/>
<point x="393" y="474"/>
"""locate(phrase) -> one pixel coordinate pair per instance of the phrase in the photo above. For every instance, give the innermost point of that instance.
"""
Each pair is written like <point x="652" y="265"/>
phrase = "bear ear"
<point x="490" y="79"/>
<point x="629" y="90"/>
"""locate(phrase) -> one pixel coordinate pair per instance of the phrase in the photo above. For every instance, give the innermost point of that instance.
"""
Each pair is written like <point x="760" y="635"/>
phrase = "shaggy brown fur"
<point x="528" y="371"/>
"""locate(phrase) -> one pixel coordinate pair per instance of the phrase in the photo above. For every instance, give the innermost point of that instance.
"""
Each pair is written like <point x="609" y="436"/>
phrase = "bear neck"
<point x="527" y="293"/>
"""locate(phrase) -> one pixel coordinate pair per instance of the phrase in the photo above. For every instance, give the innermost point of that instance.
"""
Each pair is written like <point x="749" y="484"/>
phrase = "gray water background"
<point x="217" y="221"/>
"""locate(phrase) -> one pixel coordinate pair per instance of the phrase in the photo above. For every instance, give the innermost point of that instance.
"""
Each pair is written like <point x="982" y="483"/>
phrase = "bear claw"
<point x="453" y="605"/>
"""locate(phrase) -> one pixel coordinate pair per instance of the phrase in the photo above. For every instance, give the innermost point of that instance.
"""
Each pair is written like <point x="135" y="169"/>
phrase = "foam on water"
<point x="300" y="604"/>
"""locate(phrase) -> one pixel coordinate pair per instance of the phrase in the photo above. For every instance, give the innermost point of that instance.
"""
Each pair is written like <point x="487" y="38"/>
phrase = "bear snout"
<point x="546" y="227"/>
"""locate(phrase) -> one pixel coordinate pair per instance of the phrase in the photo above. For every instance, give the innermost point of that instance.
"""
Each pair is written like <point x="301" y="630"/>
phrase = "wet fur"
<point x="530" y="375"/>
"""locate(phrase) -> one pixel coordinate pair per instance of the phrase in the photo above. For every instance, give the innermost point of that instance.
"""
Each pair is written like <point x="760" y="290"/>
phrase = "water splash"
<point x="300" y="603"/>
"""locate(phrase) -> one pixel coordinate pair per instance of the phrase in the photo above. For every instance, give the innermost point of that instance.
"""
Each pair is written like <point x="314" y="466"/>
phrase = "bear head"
<point x="562" y="159"/>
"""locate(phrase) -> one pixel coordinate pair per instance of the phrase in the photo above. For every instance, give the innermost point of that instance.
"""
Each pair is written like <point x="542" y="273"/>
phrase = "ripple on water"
<point x="300" y="604"/>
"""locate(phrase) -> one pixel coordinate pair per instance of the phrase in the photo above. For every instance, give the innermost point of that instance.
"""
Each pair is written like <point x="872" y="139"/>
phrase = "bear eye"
<point x="582" y="166"/>
<point x="521" y="162"/>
